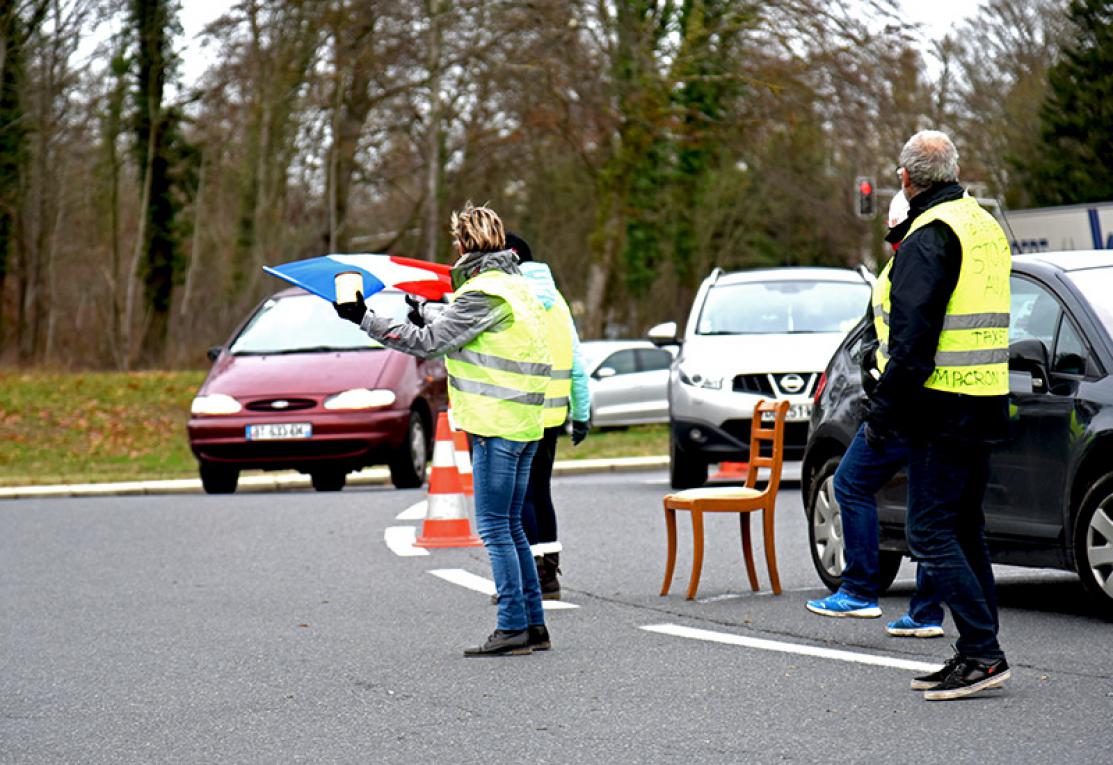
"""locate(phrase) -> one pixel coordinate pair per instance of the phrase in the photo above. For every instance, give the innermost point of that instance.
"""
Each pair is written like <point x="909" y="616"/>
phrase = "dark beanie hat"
<point x="520" y="247"/>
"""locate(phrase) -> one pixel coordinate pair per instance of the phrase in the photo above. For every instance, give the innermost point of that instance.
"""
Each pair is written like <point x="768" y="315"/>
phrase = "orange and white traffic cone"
<point x="446" y="514"/>
<point x="463" y="461"/>
<point x="732" y="471"/>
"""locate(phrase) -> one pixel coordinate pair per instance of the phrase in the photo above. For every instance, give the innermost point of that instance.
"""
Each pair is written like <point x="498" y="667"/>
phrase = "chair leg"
<point x="770" y="549"/>
<point x="697" y="553"/>
<point x="748" y="550"/>
<point x="670" y="561"/>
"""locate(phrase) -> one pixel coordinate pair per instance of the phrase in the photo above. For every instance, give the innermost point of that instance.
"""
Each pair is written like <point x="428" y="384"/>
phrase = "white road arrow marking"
<point x="486" y="586"/>
<point x="400" y="540"/>
<point x="415" y="512"/>
<point x="677" y="630"/>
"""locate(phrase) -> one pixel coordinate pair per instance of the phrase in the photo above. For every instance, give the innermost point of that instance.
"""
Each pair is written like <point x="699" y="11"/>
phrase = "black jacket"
<point x="924" y="274"/>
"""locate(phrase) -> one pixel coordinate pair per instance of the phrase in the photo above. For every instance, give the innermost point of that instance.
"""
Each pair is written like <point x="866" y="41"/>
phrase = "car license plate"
<point x="796" y="413"/>
<point x="279" y="431"/>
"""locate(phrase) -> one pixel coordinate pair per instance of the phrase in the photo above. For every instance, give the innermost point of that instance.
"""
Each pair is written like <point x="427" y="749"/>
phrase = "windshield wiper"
<point x="311" y="349"/>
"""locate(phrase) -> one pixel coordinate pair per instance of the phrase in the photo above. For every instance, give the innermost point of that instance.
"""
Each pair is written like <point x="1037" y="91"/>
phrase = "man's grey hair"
<point x="929" y="157"/>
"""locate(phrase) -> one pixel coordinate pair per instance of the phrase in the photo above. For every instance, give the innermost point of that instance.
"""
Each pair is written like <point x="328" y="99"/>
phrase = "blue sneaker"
<point x="844" y="604"/>
<point x="906" y="626"/>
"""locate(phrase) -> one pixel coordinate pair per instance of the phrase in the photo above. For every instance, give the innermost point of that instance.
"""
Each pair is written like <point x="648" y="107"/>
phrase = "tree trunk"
<point x="433" y="136"/>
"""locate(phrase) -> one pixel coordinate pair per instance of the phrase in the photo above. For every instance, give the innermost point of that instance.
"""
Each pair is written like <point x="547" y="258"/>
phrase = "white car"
<point x="766" y="333"/>
<point x="629" y="381"/>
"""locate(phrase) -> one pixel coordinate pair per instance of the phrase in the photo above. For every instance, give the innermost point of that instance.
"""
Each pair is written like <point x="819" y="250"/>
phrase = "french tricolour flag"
<point x="418" y="277"/>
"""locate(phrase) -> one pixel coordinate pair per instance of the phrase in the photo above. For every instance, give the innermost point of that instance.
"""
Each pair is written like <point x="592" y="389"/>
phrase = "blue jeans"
<point x="946" y="533"/>
<point x="500" y="472"/>
<point x="863" y="471"/>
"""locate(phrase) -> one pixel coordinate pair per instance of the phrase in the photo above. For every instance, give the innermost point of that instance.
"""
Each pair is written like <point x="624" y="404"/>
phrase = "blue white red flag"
<point x="418" y="277"/>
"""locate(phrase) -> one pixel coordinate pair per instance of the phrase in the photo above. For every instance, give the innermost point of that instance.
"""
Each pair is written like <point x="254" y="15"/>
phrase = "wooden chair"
<point x="742" y="500"/>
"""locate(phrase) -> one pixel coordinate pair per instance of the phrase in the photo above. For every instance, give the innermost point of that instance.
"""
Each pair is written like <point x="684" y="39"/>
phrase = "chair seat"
<point x="715" y="492"/>
<point x="717" y="498"/>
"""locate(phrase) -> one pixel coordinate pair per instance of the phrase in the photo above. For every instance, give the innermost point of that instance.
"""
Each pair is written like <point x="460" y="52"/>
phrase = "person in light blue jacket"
<point x="538" y="513"/>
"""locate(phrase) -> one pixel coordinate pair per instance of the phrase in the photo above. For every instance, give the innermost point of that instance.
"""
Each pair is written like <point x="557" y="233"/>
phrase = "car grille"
<point x="281" y="404"/>
<point x="776" y="385"/>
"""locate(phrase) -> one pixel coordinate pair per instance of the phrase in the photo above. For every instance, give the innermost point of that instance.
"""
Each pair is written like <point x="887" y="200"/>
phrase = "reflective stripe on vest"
<point x="973" y="350"/>
<point x="558" y="321"/>
<point x="497" y="382"/>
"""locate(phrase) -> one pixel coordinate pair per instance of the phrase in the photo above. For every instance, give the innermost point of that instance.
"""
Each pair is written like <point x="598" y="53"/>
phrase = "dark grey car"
<point x="1049" y="502"/>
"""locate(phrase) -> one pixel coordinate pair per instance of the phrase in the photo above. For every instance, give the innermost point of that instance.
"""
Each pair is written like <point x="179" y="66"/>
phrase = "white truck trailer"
<point x="1049" y="229"/>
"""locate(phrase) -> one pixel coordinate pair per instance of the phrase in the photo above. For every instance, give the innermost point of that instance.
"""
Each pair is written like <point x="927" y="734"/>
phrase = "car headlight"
<point x="360" y="398"/>
<point x="215" y="403"/>
<point x="697" y="380"/>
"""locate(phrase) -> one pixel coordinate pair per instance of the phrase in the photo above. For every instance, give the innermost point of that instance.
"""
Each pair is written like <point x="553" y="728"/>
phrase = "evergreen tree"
<point x="157" y="140"/>
<point x="1075" y="163"/>
<point x="17" y="22"/>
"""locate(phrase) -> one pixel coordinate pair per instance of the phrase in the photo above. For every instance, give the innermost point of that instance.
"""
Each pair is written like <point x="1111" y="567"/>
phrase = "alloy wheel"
<point x="1099" y="545"/>
<point x="830" y="546"/>
<point x="418" y="449"/>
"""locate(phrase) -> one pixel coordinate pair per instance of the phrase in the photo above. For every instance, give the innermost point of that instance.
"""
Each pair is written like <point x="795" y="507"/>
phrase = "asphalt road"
<point x="266" y="628"/>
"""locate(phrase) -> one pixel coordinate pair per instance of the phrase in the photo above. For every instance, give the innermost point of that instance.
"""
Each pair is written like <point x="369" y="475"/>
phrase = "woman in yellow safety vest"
<point x="495" y="341"/>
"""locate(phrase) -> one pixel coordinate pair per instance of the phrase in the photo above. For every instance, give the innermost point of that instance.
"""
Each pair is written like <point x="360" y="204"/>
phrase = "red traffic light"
<point x="866" y="207"/>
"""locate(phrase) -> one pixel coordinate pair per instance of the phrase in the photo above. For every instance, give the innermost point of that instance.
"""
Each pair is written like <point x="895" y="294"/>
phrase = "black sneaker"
<point x="539" y="637"/>
<point x="927" y="682"/>
<point x="502" y="643"/>
<point x="969" y="677"/>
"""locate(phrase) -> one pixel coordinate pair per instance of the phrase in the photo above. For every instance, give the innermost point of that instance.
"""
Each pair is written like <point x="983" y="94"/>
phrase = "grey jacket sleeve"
<point x="457" y="325"/>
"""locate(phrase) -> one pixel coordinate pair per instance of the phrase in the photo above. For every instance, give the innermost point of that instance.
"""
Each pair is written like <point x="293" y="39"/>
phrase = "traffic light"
<point x="867" y="204"/>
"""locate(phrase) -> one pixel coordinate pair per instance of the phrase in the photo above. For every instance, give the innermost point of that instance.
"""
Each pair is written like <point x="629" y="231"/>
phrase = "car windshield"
<point x="780" y="307"/>
<point x="1096" y="284"/>
<point x="308" y="324"/>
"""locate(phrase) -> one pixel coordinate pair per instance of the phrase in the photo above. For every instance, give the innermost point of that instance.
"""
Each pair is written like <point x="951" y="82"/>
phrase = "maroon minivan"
<point x="299" y="388"/>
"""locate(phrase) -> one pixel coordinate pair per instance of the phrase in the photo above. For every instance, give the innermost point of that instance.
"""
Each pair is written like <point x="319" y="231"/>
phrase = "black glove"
<point x="353" y="312"/>
<point x="875" y="437"/>
<point x="416" y="317"/>
<point x="580" y="429"/>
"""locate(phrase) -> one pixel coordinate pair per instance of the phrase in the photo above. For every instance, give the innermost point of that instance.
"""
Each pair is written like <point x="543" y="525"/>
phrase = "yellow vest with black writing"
<point x="557" y="396"/>
<point x="973" y="352"/>
<point x="497" y="382"/>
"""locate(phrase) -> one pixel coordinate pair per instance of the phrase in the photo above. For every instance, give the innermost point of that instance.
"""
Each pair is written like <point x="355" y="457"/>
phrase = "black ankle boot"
<point x="502" y="643"/>
<point x="548" y="566"/>
<point x="539" y="637"/>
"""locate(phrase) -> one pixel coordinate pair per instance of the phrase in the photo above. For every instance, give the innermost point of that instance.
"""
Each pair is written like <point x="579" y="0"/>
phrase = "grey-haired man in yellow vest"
<point x="943" y="355"/>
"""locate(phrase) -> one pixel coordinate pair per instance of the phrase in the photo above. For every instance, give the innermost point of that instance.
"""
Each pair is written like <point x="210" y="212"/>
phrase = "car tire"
<point x="1093" y="544"/>
<point x="686" y="471"/>
<point x="825" y="539"/>
<point x="328" y="480"/>
<point x="218" y="479"/>
<point x="407" y="468"/>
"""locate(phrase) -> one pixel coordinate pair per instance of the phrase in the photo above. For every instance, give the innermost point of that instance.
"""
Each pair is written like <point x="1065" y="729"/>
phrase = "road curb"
<point x="285" y="480"/>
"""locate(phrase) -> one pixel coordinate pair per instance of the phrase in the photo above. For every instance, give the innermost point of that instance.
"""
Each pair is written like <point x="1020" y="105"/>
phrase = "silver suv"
<point x="765" y="333"/>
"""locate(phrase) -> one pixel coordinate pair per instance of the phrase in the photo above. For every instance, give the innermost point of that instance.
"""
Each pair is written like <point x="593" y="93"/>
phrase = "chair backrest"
<point x="767" y="445"/>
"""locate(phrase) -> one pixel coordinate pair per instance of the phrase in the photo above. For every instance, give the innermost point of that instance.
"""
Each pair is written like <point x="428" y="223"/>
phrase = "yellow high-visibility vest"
<point x="972" y="356"/>
<point x="497" y="382"/>
<point x="558" y="319"/>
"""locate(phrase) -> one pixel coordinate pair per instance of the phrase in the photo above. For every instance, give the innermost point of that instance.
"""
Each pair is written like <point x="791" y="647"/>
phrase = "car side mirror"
<point x="214" y="353"/>
<point x="663" y="334"/>
<point x="1030" y="355"/>
<point x="604" y="372"/>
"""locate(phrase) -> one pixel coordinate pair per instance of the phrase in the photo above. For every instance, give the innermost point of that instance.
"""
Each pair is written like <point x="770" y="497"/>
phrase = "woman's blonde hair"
<point x="477" y="229"/>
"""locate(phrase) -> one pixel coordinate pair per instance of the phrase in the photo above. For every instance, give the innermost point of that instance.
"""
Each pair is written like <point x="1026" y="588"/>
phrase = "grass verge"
<point x="116" y="426"/>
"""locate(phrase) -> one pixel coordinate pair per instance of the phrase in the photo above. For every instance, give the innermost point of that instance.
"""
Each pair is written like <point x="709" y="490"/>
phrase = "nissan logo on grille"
<point x="791" y="383"/>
